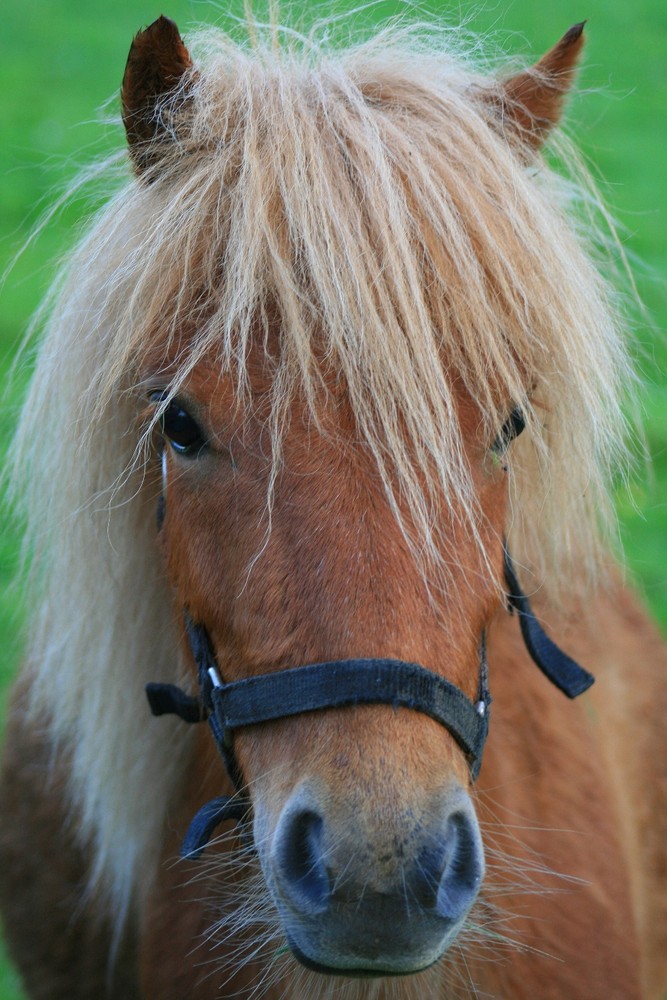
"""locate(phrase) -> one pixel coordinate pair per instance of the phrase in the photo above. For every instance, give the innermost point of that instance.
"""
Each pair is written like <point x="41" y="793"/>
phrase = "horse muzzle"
<point x="358" y="896"/>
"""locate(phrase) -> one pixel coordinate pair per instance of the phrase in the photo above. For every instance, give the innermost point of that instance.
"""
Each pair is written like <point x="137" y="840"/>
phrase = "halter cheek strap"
<point x="561" y="670"/>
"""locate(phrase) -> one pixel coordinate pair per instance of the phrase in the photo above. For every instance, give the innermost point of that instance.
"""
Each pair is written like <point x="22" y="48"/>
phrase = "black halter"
<point x="341" y="683"/>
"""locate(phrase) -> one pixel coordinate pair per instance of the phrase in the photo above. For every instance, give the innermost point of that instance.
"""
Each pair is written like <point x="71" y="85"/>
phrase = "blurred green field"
<point x="60" y="63"/>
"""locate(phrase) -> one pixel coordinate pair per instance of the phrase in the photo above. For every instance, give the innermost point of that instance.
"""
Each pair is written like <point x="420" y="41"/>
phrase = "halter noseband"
<point x="341" y="683"/>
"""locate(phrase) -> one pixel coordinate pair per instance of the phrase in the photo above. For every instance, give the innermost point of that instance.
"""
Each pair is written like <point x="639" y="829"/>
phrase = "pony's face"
<point x="365" y="831"/>
<point x="363" y="823"/>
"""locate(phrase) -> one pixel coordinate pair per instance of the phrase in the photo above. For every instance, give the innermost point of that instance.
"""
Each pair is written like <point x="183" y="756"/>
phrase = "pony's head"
<point x="307" y="321"/>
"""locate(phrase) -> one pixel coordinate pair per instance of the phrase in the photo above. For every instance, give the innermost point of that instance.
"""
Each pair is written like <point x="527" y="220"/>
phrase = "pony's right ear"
<point x="156" y="69"/>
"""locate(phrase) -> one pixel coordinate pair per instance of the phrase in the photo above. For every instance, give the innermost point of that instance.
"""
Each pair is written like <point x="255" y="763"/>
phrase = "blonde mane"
<point x="371" y="199"/>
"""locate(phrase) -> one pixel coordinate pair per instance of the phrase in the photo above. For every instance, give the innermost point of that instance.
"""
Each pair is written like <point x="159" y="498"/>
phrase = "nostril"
<point x="463" y="867"/>
<point x="300" y="867"/>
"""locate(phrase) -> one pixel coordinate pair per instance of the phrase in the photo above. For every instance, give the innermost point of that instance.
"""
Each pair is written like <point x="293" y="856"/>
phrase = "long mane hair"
<point x="372" y="199"/>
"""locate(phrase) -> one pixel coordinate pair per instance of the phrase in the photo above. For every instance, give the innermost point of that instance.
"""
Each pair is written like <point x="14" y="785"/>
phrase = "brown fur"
<point x="575" y="939"/>
<point x="59" y="937"/>
<point x="310" y="531"/>
<point x="580" y="828"/>
<point x="586" y="942"/>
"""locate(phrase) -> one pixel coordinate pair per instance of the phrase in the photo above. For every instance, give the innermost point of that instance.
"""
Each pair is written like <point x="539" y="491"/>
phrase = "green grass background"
<point x="62" y="60"/>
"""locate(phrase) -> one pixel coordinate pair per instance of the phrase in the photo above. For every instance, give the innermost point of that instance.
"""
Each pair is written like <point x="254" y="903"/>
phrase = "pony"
<point x="331" y="386"/>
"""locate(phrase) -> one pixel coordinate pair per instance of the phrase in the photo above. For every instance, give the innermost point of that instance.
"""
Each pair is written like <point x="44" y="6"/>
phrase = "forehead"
<point x="251" y="388"/>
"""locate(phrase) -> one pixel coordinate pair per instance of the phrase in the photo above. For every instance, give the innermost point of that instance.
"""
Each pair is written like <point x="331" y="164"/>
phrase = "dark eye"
<point x="511" y="429"/>
<point x="179" y="428"/>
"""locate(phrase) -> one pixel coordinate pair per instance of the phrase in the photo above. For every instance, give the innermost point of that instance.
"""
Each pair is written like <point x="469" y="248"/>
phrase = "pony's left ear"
<point x="531" y="103"/>
<point x="156" y="69"/>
